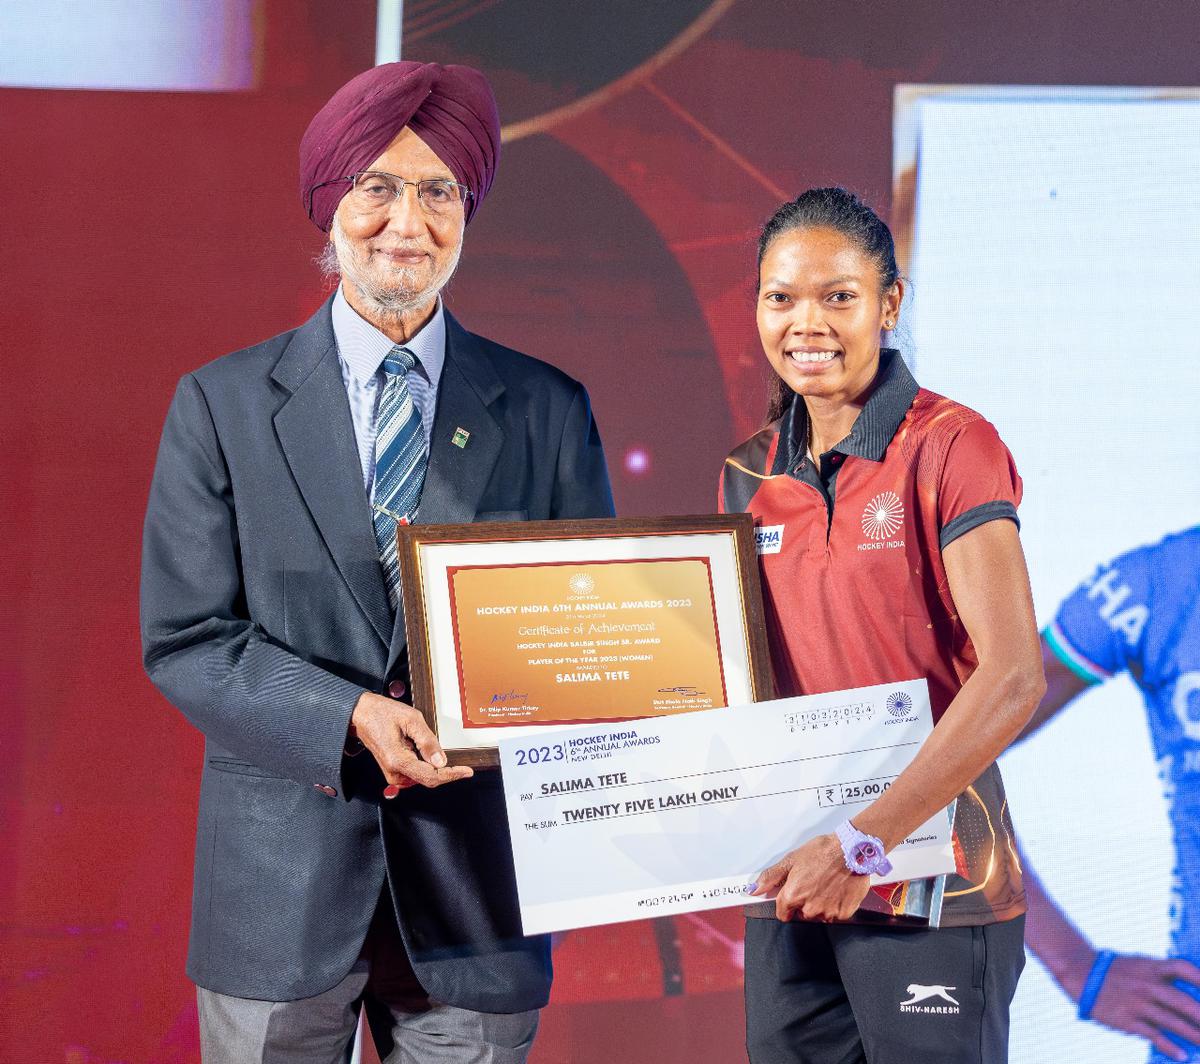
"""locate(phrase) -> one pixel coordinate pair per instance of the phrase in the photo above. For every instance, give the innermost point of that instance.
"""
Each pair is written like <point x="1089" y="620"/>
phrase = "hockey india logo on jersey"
<point x="883" y="516"/>
<point x="882" y="520"/>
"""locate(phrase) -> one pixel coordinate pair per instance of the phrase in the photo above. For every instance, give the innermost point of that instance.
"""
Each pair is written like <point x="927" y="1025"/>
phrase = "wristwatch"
<point x="863" y="853"/>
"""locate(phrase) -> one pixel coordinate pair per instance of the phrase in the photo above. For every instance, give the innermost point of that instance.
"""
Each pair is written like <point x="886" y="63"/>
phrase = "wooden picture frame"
<point x="521" y="628"/>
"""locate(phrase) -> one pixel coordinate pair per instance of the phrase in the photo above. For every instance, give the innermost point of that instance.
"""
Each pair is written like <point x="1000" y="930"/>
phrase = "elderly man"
<point x="339" y="860"/>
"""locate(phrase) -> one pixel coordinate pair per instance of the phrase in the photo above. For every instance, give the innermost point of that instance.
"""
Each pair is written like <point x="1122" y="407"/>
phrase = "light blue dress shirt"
<point x="361" y="351"/>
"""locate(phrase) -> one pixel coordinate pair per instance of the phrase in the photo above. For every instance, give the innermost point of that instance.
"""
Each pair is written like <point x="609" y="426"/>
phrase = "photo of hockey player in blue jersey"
<point x="1139" y="614"/>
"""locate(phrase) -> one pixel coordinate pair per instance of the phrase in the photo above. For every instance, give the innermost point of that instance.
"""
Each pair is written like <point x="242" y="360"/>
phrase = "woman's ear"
<point x="892" y="299"/>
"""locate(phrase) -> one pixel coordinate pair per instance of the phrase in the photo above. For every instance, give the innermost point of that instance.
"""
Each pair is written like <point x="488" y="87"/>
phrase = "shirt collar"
<point x="362" y="347"/>
<point x="875" y="426"/>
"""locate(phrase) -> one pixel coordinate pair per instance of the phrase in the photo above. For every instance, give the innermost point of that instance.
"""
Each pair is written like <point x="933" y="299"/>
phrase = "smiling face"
<point x="396" y="260"/>
<point x="820" y="312"/>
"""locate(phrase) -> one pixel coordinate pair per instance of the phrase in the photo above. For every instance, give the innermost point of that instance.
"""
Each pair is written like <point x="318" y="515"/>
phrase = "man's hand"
<point x="1139" y="996"/>
<point x="402" y="744"/>
<point x="813" y="883"/>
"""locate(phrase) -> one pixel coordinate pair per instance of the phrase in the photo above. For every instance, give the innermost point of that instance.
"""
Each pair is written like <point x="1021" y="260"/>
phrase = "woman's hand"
<point x="813" y="883"/>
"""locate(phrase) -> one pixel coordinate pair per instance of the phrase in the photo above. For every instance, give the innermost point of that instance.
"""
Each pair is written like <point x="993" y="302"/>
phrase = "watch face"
<point x="867" y="857"/>
<point x="864" y="854"/>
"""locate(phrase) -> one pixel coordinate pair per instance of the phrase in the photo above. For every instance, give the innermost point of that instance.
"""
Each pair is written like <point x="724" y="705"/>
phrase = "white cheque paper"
<point x="677" y="814"/>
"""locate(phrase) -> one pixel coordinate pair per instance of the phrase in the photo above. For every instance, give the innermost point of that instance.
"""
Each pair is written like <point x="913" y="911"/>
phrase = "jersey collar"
<point x="875" y="426"/>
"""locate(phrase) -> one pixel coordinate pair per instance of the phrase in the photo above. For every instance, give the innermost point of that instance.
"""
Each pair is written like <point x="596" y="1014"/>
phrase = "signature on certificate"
<point x="679" y="691"/>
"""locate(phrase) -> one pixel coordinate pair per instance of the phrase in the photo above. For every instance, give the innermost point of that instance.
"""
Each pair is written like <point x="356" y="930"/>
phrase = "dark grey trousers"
<point x="318" y="1030"/>
<point x="407" y="1027"/>
<point x="851" y="994"/>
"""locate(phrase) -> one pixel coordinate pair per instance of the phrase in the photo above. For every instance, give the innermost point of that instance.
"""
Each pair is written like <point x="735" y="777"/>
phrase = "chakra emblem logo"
<point x="883" y="516"/>
<point x="582" y="584"/>
<point x="899" y="703"/>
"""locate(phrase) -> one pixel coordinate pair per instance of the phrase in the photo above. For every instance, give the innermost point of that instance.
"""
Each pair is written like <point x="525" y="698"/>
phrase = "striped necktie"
<point x="401" y="456"/>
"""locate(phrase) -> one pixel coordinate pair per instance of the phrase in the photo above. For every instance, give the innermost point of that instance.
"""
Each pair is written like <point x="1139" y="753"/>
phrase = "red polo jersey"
<point x="854" y="584"/>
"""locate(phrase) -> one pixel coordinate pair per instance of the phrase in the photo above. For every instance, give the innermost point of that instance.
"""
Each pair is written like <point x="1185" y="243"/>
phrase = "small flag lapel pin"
<point x="460" y="437"/>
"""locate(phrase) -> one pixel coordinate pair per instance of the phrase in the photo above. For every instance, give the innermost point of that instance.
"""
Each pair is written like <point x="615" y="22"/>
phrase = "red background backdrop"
<point x="147" y="233"/>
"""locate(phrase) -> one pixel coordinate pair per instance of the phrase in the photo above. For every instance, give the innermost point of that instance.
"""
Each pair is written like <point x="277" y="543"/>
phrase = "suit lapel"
<point x="458" y="475"/>
<point x="317" y="437"/>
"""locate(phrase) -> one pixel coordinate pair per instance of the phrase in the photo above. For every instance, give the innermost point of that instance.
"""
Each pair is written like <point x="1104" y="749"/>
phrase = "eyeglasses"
<point x="372" y="191"/>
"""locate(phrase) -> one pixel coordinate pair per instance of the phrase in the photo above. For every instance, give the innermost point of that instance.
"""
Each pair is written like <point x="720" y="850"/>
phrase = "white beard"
<point x="391" y="293"/>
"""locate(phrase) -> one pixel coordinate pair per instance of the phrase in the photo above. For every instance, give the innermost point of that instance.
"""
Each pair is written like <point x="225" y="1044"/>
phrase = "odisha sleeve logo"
<point x="899" y="703"/>
<point x="883" y="516"/>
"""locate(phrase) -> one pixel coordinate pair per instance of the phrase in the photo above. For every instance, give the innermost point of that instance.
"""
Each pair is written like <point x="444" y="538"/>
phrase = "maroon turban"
<point x="451" y="108"/>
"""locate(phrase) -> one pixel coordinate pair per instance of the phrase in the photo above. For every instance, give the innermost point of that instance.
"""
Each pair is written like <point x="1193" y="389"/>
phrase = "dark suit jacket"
<point x="264" y="617"/>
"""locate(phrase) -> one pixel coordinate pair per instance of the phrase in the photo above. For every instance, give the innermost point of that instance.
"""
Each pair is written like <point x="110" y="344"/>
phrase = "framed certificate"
<point x="516" y="629"/>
